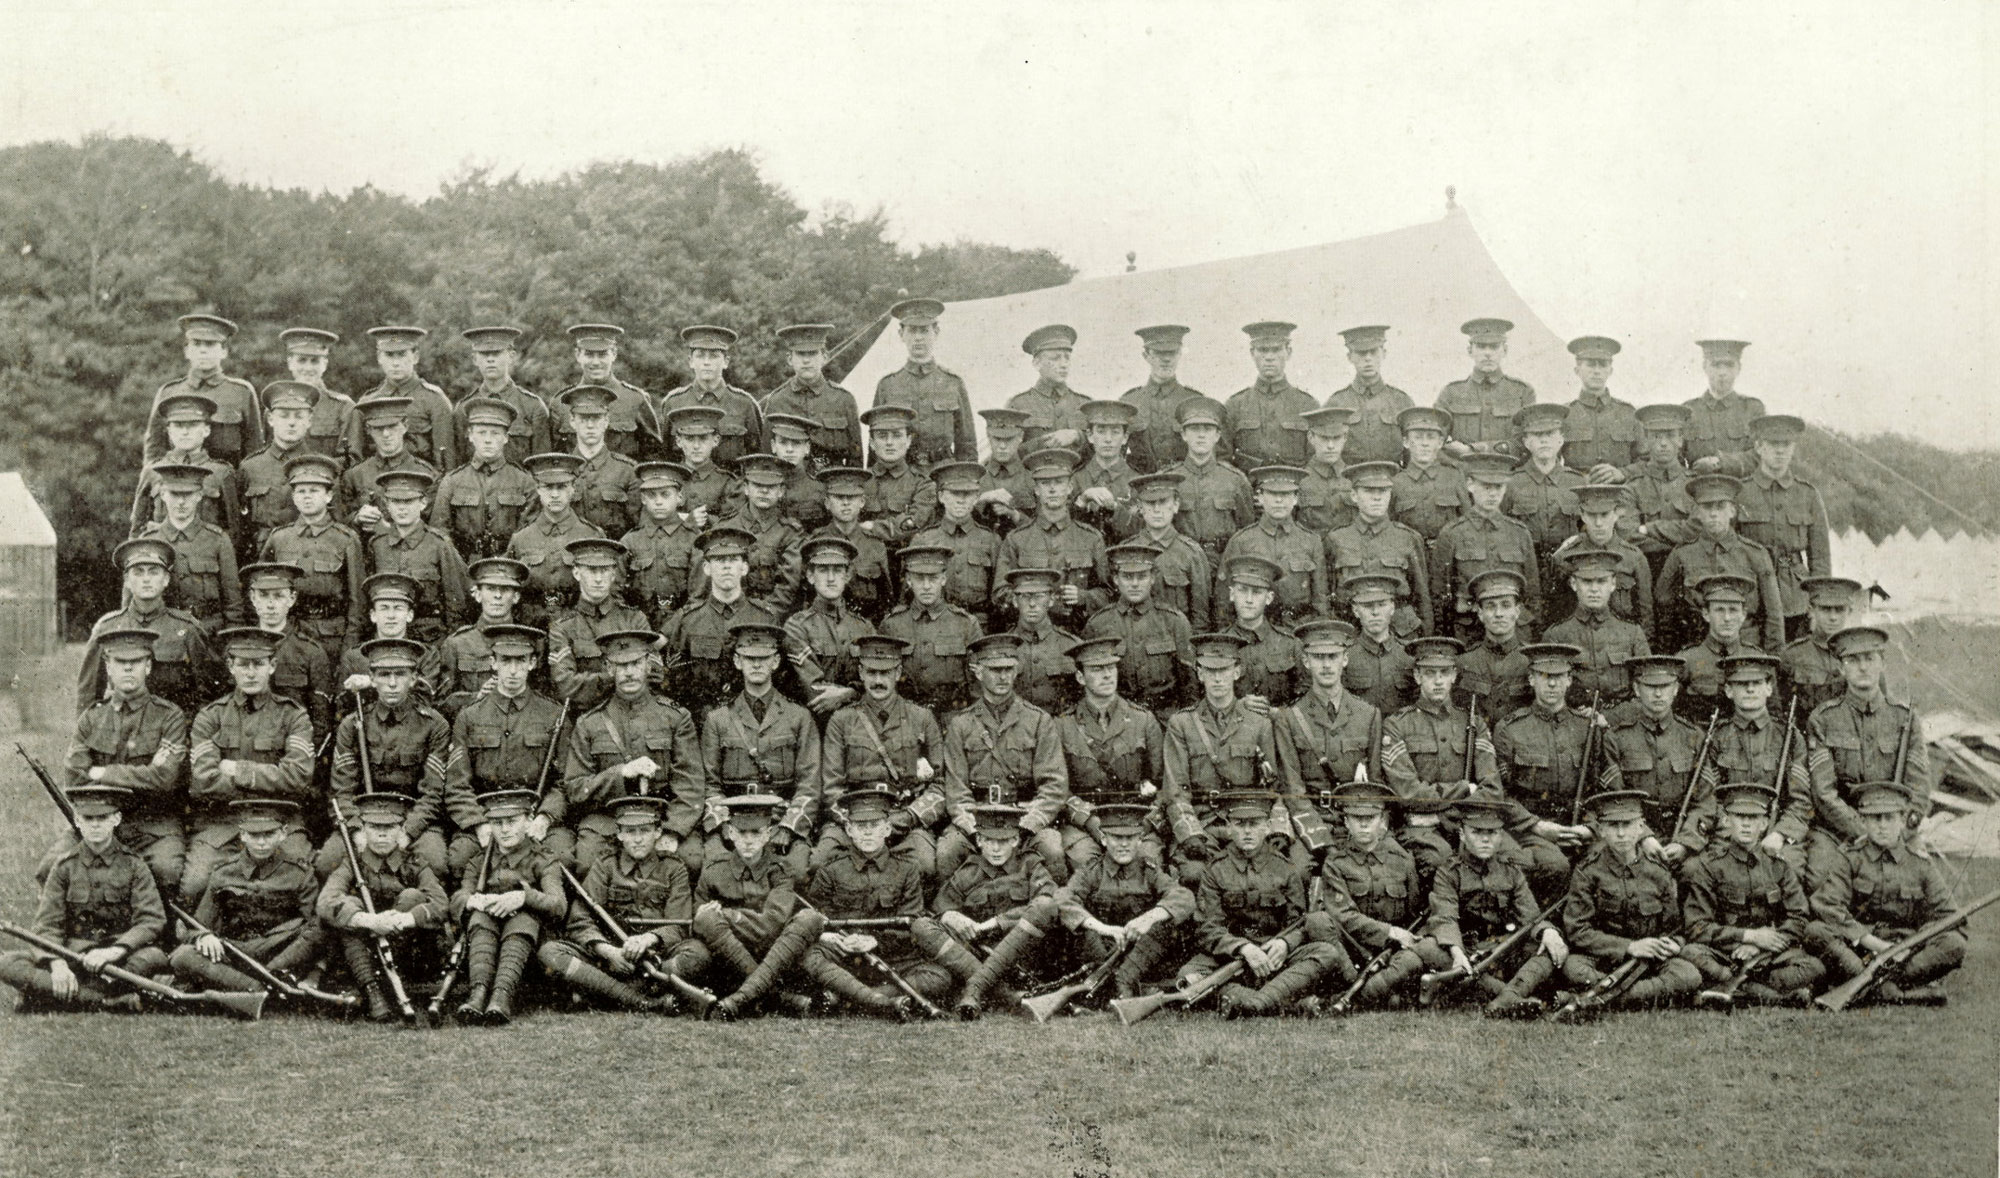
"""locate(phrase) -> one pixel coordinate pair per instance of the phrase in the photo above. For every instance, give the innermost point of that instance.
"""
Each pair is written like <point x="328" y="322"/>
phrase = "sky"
<point x="1812" y="177"/>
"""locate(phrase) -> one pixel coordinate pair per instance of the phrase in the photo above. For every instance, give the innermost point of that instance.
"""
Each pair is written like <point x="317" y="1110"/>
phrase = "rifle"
<point x="1602" y="989"/>
<point x="1374" y="965"/>
<point x="1492" y="957"/>
<point x="857" y="925"/>
<point x="1883" y="963"/>
<point x="702" y="999"/>
<point x="455" y="959"/>
<point x="1694" y="780"/>
<point x="245" y="1006"/>
<point x="272" y="980"/>
<point x="1188" y="993"/>
<point x="385" y="956"/>
<point x="1583" y="764"/>
<point x="1902" y="763"/>
<point x="1725" y="994"/>
<point x="1043" y="1007"/>
<point x="549" y="757"/>
<point x="50" y="787"/>
<point x="1785" y="753"/>
<point x="930" y="1009"/>
<point x="1471" y="740"/>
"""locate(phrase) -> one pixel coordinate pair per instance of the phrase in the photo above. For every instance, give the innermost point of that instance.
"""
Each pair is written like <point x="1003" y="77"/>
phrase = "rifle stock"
<point x="1590" y="743"/>
<point x="1871" y="975"/>
<point x="262" y="972"/>
<point x="1043" y="1007"/>
<point x="702" y="999"/>
<point x="455" y="959"/>
<point x="244" y="1006"/>
<point x="1725" y="994"/>
<point x="1694" y="779"/>
<point x="1902" y="763"/>
<point x="1145" y="1006"/>
<point x="50" y="787"/>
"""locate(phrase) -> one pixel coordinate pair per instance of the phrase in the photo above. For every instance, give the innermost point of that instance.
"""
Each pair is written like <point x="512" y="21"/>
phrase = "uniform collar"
<point x="919" y="370"/>
<point x="1271" y="388"/>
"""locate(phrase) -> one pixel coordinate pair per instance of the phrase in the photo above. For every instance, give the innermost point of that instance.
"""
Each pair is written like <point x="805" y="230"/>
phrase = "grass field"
<point x="1872" y="1092"/>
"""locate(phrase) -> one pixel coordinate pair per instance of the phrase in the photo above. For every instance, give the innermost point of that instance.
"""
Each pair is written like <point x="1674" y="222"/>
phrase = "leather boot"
<point x="1240" y="1001"/>
<point x="791" y="944"/>
<point x="1019" y="939"/>
<point x="514" y="955"/>
<point x="482" y="948"/>
<point x="361" y="964"/>
<point x="582" y="975"/>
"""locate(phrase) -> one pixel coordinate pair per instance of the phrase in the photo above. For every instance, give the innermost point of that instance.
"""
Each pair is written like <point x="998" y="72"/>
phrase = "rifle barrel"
<point x="248" y="1006"/>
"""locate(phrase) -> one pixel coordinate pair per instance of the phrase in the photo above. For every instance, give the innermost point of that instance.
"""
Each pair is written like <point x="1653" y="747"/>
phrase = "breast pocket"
<point x="1162" y="645"/>
<point x="202" y="563"/>
<point x="705" y="646"/>
<point x="1799" y="512"/>
<point x="482" y="738"/>
<point x="1527" y="498"/>
<point x="507" y="509"/>
<point x="1247" y="417"/>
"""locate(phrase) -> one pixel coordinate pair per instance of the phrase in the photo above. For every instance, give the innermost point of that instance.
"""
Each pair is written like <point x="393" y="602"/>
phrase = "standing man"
<point x="483" y="503"/>
<point x="1277" y="537"/>
<point x="1055" y="410"/>
<point x="307" y="352"/>
<point x="433" y="434"/>
<point x="186" y="671"/>
<point x="1721" y="417"/>
<point x="494" y="353"/>
<point x="1266" y="422"/>
<point x="1215" y="497"/>
<point x="742" y="426"/>
<point x="1483" y="405"/>
<point x="1002" y="751"/>
<point x="974" y="549"/>
<point x="1784" y="513"/>
<point x="1854" y="740"/>
<point x="1374" y="435"/>
<point x="1811" y="669"/>
<point x="1156" y="441"/>
<point x="1602" y="431"/>
<point x="290" y="409"/>
<point x="930" y="390"/>
<point x="330" y="605"/>
<point x="836" y="436"/>
<point x="1055" y="541"/>
<point x="1542" y="493"/>
<point x="237" y="427"/>
<point x="635" y="428"/>
<point x="136" y="741"/>
<point x="607" y="482"/>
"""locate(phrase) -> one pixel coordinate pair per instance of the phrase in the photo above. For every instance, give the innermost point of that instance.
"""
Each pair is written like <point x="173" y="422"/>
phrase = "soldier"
<point x="1748" y="746"/>
<point x="1477" y="900"/>
<point x="820" y="637"/>
<point x="303" y="673"/>
<point x="330" y="601"/>
<point x="1724" y="604"/>
<point x="635" y="425"/>
<point x="1055" y="411"/>
<point x="187" y="422"/>
<point x="259" y="900"/>
<point x="1002" y="897"/>
<point x="1542" y="492"/>
<point x="1156" y="443"/>
<point x="484" y="502"/>
<point x="762" y="743"/>
<point x="1270" y="655"/>
<point x="1376" y="406"/>
<point x="385" y="420"/>
<point x="741" y="426"/>
<point x="494" y="353"/>
<point x="635" y="742"/>
<point x="1181" y="573"/>
<point x="640" y="880"/>
<point x="939" y="634"/>
<point x="1047" y="677"/>
<point x="307" y="351"/>
<point x="542" y="544"/>
<point x="410" y="753"/>
<point x="943" y="428"/>
<point x="1541" y="750"/>
<point x="1124" y="900"/>
<point x="505" y="904"/>
<point x="1221" y="744"/>
<point x="577" y="667"/>
<point x="1264" y="424"/>
<point x="1111" y="749"/>
<point x="1374" y="544"/>
<point x="698" y="646"/>
<point x="1860" y="736"/>
<point x="1719" y="422"/>
<point x="901" y="499"/>
<point x="709" y="493"/>
<point x="883" y="741"/>
<point x="974" y="549"/>
<point x="1718" y="549"/>
<point x="1624" y="906"/>
<point x="1604" y="639"/>
<point x="1002" y="750"/>
<point x="1655" y="751"/>
<point x="1602" y="431"/>
<point x="99" y="900"/>
<point x="1154" y="639"/>
<point x="836" y="435"/>
<point x="773" y="574"/>
<point x="1301" y="591"/>
<point x="433" y="435"/>
<point x="186" y="672"/>
<point x="205" y="579"/>
<point x="1482" y="540"/>
<point x="1215" y="497"/>
<point x="1006" y="489"/>
<point x="1882" y="890"/>
<point x="409" y="893"/>
<point x="1746" y="906"/>
<point x="662" y="544"/>
<point x="409" y="546"/>
<point x="802" y="498"/>
<point x="514" y="741"/>
<point x="747" y="909"/>
<point x="1483" y="405"/>
<point x="392" y="600"/>
<point x="250" y="743"/>
<point x="605" y="491"/>
<point x="1449" y="752"/>
<point x="1378" y="666"/>
<point x="1784" y="513"/>
<point x="1812" y="672"/>
<point x="1600" y="513"/>
<point x="1326" y="498"/>
<point x="1055" y="541"/>
<point x="267" y="499"/>
<point x="1370" y="888"/>
<point x="1251" y="902"/>
<point x="237" y="429"/>
<point x="1105" y="480"/>
<point x="1494" y="669"/>
<point x="867" y="588"/>
<point x="460" y="668"/>
<point x="1655" y="489"/>
<point x="1330" y="736"/>
<point x="1428" y="493"/>
<point x="138" y="742"/>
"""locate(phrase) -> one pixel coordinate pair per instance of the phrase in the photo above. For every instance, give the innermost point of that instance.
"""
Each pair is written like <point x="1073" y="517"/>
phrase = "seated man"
<point x="258" y="899"/>
<point x="409" y="898"/>
<point x="1481" y="898"/>
<point x="1124" y="902"/>
<point x="1623" y="906"/>
<point x="1250" y="902"/>
<point x="747" y="909"/>
<point x="1001" y="896"/>
<point x="519" y="891"/>
<point x="1369" y="888"/>
<point x="1746" y="904"/>
<point x="1883" y="890"/>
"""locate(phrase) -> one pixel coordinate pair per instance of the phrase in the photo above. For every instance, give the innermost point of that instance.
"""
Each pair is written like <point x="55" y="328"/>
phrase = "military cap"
<point x="1424" y="417"/>
<point x="1661" y="418"/>
<point x="262" y="573"/>
<point x="1749" y="667"/>
<point x="880" y="652"/>
<point x="1721" y="349"/>
<point x="1858" y="640"/>
<point x="995" y="649"/>
<point x="1364" y="797"/>
<point x="1435" y="651"/>
<point x="1277" y="477"/>
<point x="1586" y="560"/>
<point x="1366" y="587"/>
<point x="1482" y="467"/>
<point x="750" y="811"/>
<point x="992" y="821"/>
<point x="553" y="466"/>
<point x="1258" y="572"/>
<point x="1218" y="649"/>
<point x="918" y="312"/>
<point x="1119" y="413"/>
<point x="1004" y="421"/>
<point x="1746" y="797"/>
<point x="1132" y="557"/>
<point x="310" y="341"/>
<point x="1325" y="636"/>
<point x="128" y="642"/>
<point x="143" y="551"/>
<point x="498" y="570"/>
<point x="507" y="803"/>
<point x="695" y="419"/>
<point x="1777" y="427"/>
<point x="1883" y="797"/>
<point x="588" y="398"/>
<point x="925" y="558"/>
<point x="1656" y="669"/>
<point x="596" y="551"/>
<point x="396" y="337"/>
<point x="262" y="814"/>
<point x="627" y="646"/>
<point x="658" y="476"/>
<point x="1122" y="818"/>
<point x="312" y="468"/>
<point x="1618" y="805"/>
<point x="805" y="337"/>
<point x="203" y="326"/>
<point x="1713" y="488"/>
<point x="383" y="807"/>
<point x="708" y="337"/>
<point x="1830" y="590"/>
<point x="1487" y="331"/>
<point x="846" y="480"/>
<point x="594" y="336"/>
<point x="1094" y="652"/>
<point x="757" y="639"/>
<point x="1541" y="417"/>
<point x="1055" y="336"/>
<point x="515" y="640"/>
<point x="96" y="801"/>
<point x="491" y="339"/>
<point x="1371" y="474"/>
<point x="1495" y="583"/>
<point x="1151" y="488"/>
<point x="181" y="476"/>
<point x="1482" y="812"/>
<point x="1725" y="587"/>
<point x="952" y="476"/>
<point x="288" y="394"/>
<point x="868" y="804"/>
<point x="1329" y="421"/>
<point x="829" y="550"/>
<point x="1366" y="336"/>
<point x="404" y="484"/>
<point x="1165" y="337"/>
<point x="384" y="653"/>
<point x="1270" y="331"/>
<point x="249" y="642"/>
<point x="1246" y="803"/>
<point x="489" y="411"/>
<point x="1033" y="580"/>
<point x="726" y="540"/>
<point x="1594" y="347"/>
<point x="766" y="469"/>
<point x="184" y="407"/>
<point x="1198" y="411"/>
<point x="390" y="587"/>
<point x="889" y="417"/>
<point x="1551" y="656"/>
<point x="383" y="411"/>
<point x="791" y="426"/>
<point x="1051" y="463"/>
<point x="1598" y="498"/>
